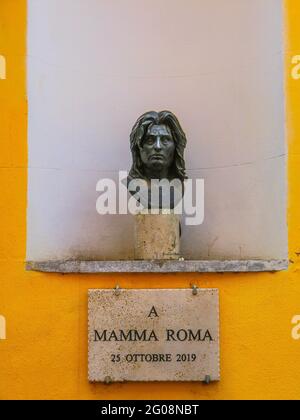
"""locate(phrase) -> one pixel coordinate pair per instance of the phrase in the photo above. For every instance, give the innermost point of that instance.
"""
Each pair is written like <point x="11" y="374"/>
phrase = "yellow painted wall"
<point x="45" y="354"/>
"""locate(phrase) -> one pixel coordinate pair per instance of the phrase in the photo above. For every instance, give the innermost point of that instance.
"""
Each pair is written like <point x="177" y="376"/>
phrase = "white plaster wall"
<point x="94" y="66"/>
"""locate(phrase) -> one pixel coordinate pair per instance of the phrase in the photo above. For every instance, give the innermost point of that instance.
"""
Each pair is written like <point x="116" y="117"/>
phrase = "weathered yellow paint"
<point x="45" y="354"/>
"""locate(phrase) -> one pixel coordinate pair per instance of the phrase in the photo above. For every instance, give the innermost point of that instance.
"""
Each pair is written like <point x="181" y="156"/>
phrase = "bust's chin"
<point x="158" y="165"/>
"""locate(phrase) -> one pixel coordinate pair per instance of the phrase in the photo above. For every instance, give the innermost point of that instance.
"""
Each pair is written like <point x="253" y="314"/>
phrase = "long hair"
<point x="140" y="129"/>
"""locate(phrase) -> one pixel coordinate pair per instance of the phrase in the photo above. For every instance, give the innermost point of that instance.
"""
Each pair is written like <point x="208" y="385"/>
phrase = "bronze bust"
<point x="157" y="145"/>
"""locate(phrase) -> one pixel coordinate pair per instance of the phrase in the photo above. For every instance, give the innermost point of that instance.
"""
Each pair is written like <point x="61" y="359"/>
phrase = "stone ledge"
<point x="218" y="266"/>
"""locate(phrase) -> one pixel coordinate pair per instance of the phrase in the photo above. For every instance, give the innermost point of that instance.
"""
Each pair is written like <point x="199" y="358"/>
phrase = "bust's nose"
<point x="157" y="145"/>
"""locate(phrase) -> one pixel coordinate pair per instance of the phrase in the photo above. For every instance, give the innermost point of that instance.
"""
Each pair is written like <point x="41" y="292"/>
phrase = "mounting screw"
<point x="195" y="290"/>
<point x="207" y="380"/>
<point x="117" y="290"/>
<point x="107" y="380"/>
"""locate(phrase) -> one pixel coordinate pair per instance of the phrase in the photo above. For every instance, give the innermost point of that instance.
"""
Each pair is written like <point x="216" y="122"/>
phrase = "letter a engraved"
<point x="153" y="313"/>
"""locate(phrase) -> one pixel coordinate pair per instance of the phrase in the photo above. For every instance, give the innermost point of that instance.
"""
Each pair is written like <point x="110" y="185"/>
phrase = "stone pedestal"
<point x="157" y="237"/>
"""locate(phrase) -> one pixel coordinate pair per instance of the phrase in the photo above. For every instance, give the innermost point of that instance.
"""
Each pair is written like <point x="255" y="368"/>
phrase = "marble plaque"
<point x="154" y="335"/>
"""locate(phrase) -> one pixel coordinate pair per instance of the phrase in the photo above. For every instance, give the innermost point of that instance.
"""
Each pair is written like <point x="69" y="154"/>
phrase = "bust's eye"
<point x="149" y="140"/>
<point x="166" y="140"/>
